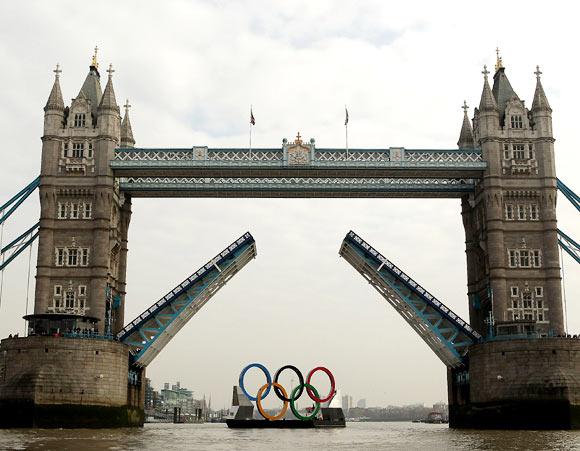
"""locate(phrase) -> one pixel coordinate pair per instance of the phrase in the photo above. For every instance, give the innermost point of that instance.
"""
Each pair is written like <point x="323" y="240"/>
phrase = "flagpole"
<point x="346" y="138"/>
<point x="250" y="131"/>
<point x="346" y="131"/>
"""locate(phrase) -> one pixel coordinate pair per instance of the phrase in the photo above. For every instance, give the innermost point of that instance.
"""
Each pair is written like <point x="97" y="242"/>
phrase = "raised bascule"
<point x="510" y="366"/>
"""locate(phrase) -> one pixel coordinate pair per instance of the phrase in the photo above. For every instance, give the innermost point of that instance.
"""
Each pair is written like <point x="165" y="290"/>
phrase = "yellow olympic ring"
<point x="259" y="402"/>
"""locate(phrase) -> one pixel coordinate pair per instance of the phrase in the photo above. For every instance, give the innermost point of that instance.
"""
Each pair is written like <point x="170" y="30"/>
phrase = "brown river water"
<point x="356" y="436"/>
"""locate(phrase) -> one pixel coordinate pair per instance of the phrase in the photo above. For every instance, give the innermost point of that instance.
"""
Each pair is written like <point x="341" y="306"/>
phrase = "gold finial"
<point x="94" y="62"/>
<point x="498" y="61"/>
<point x="298" y="139"/>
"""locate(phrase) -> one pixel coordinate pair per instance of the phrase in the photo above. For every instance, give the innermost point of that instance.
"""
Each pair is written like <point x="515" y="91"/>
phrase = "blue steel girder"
<point x="10" y="207"/>
<point x="443" y="331"/>
<point x="13" y="249"/>
<point x="296" y="187"/>
<point x="569" y="194"/>
<point x="207" y="172"/>
<point x="149" y="333"/>
<point x="571" y="247"/>
<point x="202" y="161"/>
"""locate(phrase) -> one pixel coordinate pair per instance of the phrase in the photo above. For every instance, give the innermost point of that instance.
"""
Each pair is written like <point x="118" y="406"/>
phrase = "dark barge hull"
<point x="283" y="424"/>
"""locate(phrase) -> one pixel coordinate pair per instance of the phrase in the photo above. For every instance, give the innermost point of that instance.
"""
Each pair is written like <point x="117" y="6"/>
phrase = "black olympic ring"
<point x="278" y="392"/>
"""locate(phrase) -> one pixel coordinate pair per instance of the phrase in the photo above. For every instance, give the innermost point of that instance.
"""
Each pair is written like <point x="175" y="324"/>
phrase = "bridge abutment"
<point x="518" y="384"/>
<point x="50" y="381"/>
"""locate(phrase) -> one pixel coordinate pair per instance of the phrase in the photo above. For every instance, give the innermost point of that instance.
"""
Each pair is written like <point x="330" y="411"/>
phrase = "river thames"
<point x="356" y="436"/>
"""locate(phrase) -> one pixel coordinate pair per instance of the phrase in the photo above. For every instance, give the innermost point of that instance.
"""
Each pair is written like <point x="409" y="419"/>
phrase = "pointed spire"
<point x="91" y="89"/>
<point x="487" y="102"/>
<point x="540" y="102"/>
<point x="108" y="100"/>
<point x="502" y="89"/>
<point x="55" y="101"/>
<point x="466" y="138"/>
<point x="127" y="139"/>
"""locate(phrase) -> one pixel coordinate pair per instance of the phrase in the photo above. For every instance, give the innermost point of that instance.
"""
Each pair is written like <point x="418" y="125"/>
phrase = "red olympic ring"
<point x="332" y="391"/>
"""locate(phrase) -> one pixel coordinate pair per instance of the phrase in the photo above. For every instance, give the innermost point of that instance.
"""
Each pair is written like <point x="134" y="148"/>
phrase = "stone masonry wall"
<point x="525" y="370"/>
<point x="57" y="370"/>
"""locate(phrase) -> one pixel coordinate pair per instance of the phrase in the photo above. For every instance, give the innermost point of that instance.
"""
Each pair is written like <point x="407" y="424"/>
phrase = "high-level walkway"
<point x="214" y="172"/>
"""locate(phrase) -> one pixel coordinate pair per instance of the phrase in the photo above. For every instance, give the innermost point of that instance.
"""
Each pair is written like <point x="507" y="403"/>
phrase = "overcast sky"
<point x="191" y="71"/>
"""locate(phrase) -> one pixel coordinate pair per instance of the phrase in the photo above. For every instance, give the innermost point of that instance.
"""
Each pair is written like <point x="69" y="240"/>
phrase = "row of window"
<point x="78" y="150"/>
<point x="530" y="315"/>
<point x="518" y="152"/>
<point x="538" y="291"/>
<point x="528" y="304"/>
<point x="522" y="212"/>
<point x="72" y="256"/>
<point x="80" y="120"/>
<point x="74" y="210"/>
<point x="517" y="121"/>
<point x="524" y="258"/>
<point x="69" y="300"/>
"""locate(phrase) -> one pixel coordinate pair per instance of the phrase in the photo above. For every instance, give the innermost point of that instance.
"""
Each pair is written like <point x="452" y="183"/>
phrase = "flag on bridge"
<point x="252" y="120"/>
<point x="346" y="117"/>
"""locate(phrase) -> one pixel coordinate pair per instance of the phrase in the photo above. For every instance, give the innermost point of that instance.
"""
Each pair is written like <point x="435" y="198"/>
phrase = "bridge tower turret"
<point x="510" y="221"/>
<point x="84" y="219"/>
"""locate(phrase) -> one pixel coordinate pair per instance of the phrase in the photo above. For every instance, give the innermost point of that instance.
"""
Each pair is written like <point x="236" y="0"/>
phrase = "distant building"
<point x="148" y="394"/>
<point x="362" y="403"/>
<point x="344" y="401"/>
<point x="347" y="403"/>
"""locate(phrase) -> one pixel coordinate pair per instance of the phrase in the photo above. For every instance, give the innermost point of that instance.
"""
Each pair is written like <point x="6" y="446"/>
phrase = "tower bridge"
<point x="502" y="170"/>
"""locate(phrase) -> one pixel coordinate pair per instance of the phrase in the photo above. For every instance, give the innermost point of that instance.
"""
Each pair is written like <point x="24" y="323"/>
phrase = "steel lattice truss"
<point x="295" y="186"/>
<point x="203" y="155"/>
<point x="444" y="331"/>
<point x="148" y="334"/>
<point x="205" y="172"/>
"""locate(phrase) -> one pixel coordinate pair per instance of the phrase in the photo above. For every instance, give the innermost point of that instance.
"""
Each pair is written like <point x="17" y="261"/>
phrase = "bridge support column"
<point x="68" y="382"/>
<point x="518" y="384"/>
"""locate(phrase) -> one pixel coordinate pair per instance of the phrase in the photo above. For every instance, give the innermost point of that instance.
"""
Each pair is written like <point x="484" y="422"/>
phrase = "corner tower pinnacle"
<point x="540" y="102"/>
<point x="108" y="100"/>
<point x="127" y="139"/>
<point x="487" y="102"/>
<point x="466" y="138"/>
<point x="55" y="100"/>
<point x="54" y="108"/>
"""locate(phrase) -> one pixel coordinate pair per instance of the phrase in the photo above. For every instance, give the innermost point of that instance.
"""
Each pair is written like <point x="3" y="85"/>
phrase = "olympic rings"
<point x="293" y="407"/>
<point x="281" y="393"/>
<point x="259" y="402"/>
<point x="266" y="373"/>
<point x="332" y="384"/>
<point x="300" y="382"/>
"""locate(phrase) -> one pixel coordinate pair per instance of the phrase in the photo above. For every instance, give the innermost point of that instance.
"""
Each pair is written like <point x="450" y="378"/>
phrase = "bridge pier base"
<point x="68" y="382"/>
<point x="518" y="384"/>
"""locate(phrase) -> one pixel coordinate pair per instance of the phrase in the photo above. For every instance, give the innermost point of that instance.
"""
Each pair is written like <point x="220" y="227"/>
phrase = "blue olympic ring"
<point x="268" y="379"/>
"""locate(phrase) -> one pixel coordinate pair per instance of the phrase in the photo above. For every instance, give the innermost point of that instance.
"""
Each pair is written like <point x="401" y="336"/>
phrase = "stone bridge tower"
<point x="82" y="250"/>
<point x="510" y="223"/>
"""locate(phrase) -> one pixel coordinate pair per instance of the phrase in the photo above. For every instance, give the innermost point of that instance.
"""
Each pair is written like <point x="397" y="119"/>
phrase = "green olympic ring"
<point x="301" y="387"/>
